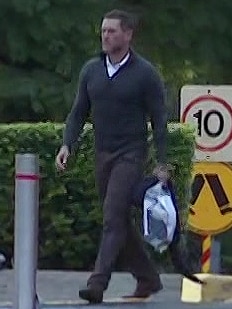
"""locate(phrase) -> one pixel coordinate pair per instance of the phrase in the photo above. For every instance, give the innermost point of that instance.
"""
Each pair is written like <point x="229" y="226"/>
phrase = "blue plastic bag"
<point x="159" y="217"/>
<point x="155" y="200"/>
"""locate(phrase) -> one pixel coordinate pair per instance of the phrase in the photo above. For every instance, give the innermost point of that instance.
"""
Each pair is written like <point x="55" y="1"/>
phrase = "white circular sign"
<point x="212" y="116"/>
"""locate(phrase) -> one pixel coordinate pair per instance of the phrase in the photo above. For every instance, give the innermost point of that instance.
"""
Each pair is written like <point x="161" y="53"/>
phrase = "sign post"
<point x="206" y="254"/>
<point x="209" y="109"/>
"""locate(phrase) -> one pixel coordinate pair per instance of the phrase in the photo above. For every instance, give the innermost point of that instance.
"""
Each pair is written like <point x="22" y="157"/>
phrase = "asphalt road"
<point x="149" y="305"/>
<point x="59" y="290"/>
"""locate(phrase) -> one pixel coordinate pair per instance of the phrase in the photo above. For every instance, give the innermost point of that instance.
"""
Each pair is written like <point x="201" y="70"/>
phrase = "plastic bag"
<point x="159" y="217"/>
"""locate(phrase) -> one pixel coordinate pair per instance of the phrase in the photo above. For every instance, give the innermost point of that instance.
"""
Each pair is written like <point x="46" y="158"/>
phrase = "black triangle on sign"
<point x="196" y="188"/>
<point x="219" y="193"/>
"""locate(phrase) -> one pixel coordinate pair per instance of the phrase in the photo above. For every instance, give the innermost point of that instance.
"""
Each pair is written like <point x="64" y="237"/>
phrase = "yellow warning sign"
<point x="211" y="198"/>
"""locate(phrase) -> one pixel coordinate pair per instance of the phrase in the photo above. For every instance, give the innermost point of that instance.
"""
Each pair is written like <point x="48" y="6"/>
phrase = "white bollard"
<point x="26" y="230"/>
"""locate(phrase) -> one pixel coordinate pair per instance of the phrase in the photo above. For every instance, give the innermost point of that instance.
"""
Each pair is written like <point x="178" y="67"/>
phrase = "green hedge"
<point x="70" y="215"/>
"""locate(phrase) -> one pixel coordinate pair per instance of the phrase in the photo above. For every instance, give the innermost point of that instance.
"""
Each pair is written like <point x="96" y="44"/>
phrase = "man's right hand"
<point x="163" y="172"/>
<point x="61" y="158"/>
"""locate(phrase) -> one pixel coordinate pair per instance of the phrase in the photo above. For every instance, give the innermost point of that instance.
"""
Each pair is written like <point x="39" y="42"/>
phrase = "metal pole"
<point x="26" y="229"/>
<point x="216" y="255"/>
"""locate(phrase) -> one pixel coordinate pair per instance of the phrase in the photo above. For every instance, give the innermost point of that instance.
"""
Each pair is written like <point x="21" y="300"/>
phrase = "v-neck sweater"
<point x="120" y="106"/>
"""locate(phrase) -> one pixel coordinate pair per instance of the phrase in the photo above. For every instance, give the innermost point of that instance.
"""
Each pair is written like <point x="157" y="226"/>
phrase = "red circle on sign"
<point x="224" y="104"/>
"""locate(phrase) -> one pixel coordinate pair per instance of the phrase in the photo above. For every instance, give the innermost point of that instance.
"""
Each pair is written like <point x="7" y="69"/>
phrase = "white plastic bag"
<point x="159" y="217"/>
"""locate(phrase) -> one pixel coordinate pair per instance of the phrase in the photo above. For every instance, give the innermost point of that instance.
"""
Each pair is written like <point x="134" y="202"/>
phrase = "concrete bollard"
<point x="26" y="230"/>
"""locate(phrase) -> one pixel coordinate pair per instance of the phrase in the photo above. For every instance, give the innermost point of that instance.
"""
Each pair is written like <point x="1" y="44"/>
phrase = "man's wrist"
<point x="165" y="165"/>
<point x="66" y="147"/>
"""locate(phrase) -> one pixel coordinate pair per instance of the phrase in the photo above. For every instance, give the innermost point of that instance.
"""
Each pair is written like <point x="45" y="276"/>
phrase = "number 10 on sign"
<point x="203" y="121"/>
<point x="209" y="109"/>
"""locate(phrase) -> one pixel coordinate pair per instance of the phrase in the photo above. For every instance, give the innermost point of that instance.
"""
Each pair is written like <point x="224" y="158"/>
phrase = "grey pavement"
<point x="59" y="289"/>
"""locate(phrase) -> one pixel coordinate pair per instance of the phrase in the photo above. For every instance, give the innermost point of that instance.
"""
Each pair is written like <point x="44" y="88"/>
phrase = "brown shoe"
<point x="145" y="289"/>
<point x="92" y="294"/>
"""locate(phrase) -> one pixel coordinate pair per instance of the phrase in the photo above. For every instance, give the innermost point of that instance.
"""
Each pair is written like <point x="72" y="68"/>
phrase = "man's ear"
<point x="130" y="34"/>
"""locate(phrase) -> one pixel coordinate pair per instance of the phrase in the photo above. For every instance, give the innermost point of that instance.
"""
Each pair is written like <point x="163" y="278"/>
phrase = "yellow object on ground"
<point x="216" y="288"/>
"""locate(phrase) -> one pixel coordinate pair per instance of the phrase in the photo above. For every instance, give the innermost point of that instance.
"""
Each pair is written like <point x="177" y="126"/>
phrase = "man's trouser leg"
<point x="135" y="259"/>
<point x="118" y="177"/>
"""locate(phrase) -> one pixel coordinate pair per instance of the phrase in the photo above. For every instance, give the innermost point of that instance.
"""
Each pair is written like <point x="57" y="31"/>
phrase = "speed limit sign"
<point x="209" y="109"/>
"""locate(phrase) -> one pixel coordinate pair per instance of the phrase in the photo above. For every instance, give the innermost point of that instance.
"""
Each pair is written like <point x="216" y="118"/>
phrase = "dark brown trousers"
<point x="116" y="176"/>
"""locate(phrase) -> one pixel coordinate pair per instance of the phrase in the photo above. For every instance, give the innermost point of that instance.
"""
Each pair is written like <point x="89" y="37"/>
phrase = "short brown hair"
<point x="127" y="20"/>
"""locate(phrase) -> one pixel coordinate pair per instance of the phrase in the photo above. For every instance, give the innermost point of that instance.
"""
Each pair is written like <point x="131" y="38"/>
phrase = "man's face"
<point x="114" y="38"/>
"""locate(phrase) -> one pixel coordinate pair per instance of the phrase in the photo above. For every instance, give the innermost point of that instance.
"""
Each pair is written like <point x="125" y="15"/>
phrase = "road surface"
<point x="59" y="290"/>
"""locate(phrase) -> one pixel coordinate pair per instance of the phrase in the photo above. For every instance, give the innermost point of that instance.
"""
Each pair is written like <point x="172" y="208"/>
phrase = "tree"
<point x="43" y="44"/>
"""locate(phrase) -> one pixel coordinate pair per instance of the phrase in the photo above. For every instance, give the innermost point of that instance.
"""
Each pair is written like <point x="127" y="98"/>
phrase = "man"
<point x="121" y="89"/>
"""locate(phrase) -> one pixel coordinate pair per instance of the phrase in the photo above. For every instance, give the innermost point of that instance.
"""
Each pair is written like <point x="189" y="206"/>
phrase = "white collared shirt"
<point x="113" y="68"/>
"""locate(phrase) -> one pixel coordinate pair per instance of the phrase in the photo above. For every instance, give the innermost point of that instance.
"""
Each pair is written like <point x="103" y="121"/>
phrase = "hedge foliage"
<point x="70" y="214"/>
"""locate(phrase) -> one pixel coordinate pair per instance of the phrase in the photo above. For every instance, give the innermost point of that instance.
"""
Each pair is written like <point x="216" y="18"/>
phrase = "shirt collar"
<point x="118" y="64"/>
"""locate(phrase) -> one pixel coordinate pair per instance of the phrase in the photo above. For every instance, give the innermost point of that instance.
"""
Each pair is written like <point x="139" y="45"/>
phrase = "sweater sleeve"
<point x="155" y="104"/>
<point x="76" y="118"/>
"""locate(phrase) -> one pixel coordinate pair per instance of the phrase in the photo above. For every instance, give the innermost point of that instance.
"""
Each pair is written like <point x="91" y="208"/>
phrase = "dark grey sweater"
<point x="120" y="106"/>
